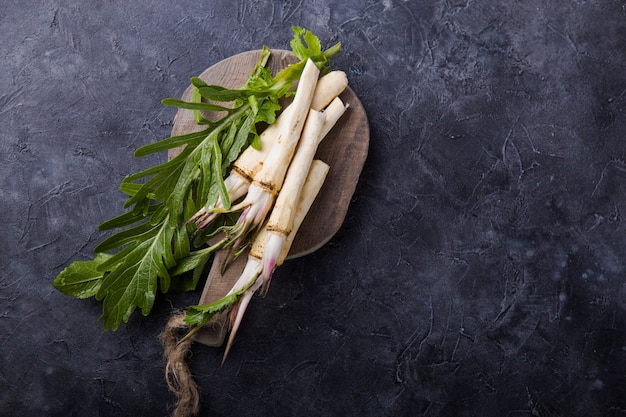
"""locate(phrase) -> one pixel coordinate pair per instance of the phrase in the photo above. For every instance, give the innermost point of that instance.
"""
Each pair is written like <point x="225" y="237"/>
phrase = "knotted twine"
<point x="177" y="373"/>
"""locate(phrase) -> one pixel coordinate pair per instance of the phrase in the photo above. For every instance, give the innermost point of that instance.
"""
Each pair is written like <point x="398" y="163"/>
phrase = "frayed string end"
<point x="177" y="373"/>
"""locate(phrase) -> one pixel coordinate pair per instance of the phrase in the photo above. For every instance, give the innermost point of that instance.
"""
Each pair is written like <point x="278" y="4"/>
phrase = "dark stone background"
<point x="480" y="270"/>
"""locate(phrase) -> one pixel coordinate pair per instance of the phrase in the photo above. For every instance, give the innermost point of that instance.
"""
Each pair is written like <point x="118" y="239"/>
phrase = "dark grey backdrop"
<point x="480" y="270"/>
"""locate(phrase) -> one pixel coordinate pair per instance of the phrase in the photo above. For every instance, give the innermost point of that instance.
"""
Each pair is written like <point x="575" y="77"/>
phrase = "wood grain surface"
<point x="344" y="149"/>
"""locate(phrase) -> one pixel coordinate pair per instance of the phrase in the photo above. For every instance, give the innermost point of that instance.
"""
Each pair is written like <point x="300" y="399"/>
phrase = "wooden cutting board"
<point x="344" y="149"/>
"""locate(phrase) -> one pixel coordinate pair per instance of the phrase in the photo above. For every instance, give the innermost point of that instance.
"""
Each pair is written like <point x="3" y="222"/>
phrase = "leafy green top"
<point x="152" y="251"/>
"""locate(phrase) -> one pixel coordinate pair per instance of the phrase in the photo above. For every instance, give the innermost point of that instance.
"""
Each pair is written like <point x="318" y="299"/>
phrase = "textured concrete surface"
<point x="480" y="270"/>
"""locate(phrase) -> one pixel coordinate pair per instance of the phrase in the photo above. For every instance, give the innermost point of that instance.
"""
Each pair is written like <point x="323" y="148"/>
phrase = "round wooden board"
<point x="344" y="148"/>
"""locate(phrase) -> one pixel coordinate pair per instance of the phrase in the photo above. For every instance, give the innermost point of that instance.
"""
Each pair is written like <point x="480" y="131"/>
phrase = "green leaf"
<point x="189" y="105"/>
<point x="186" y="282"/>
<point x="81" y="279"/>
<point x="195" y="260"/>
<point x="154" y="170"/>
<point x="304" y="44"/>
<point x="190" y="139"/>
<point x="118" y="258"/>
<point x="217" y="173"/>
<point x="197" y="114"/>
<point x="256" y="142"/>
<point x="128" y="218"/>
<point x="181" y="243"/>
<point x="133" y="282"/>
<point x="188" y="173"/>
<point x="199" y="315"/>
<point x="221" y="94"/>
<point x="240" y="141"/>
<point x="267" y="112"/>
<point x="161" y="185"/>
<point x="129" y="189"/>
<point x="124" y="237"/>
<point x="228" y="139"/>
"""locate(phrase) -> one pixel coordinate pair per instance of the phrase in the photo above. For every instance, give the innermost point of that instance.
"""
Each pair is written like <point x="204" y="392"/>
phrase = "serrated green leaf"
<point x="217" y="173"/>
<point x="190" y="105"/>
<point x="199" y="315"/>
<point x="154" y="170"/>
<point x="267" y="112"/>
<point x="162" y="184"/>
<point x="81" y="279"/>
<point x="304" y="44"/>
<point x="122" y="256"/>
<point x="240" y="141"/>
<point x="194" y="260"/>
<point x="228" y="139"/>
<point x="181" y="241"/>
<point x="133" y="282"/>
<point x="124" y="237"/>
<point x="189" y="139"/>
<point x="128" y="218"/>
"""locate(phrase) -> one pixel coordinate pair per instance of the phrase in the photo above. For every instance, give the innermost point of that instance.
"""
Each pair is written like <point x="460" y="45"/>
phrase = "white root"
<point x="282" y="215"/>
<point x="333" y="112"/>
<point x="268" y="182"/>
<point x="253" y="268"/>
<point x="327" y="88"/>
<point x="250" y="162"/>
<point x="275" y="166"/>
<point x="281" y="218"/>
<point x="252" y="273"/>
<point x="280" y="222"/>
<point x="311" y="188"/>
